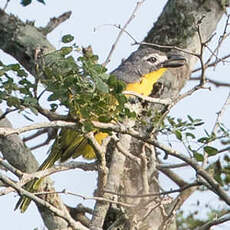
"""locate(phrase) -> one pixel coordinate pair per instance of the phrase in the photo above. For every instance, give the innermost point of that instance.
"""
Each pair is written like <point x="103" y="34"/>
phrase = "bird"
<point x="140" y="71"/>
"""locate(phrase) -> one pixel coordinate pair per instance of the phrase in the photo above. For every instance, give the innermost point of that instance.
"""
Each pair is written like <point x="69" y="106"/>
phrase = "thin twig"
<point x="25" y="177"/>
<point x="214" y="63"/>
<point x="190" y="92"/>
<point x="127" y="153"/>
<point x="51" y="115"/>
<point x="133" y="15"/>
<point x="200" y="56"/>
<point x="219" y="220"/>
<point x="6" y="5"/>
<point x="55" y="22"/>
<point x="156" y="193"/>
<point x="167" y="219"/>
<point x="118" y="27"/>
<point x="216" y="126"/>
<point x="214" y="82"/>
<point x="221" y="40"/>
<point x="221" y="113"/>
<point x="161" y="203"/>
<point x="173" y="176"/>
<point x="224" y="149"/>
<point x="86" y="197"/>
<point x="61" y="213"/>
<point x="216" y="188"/>
<point x="7" y="112"/>
<point x="4" y="131"/>
<point x="166" y="101"/>
<point x="51" y="134"/>
<point x="171" y="166"/>
<point x="167" y="47"/>
<point x="11" y="168"/>
<point x="34" y="135"/>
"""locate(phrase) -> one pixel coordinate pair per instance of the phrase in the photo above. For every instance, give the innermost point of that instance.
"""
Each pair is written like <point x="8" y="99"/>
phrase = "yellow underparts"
<point x="87" y="150"/>
<point x="73" y="144"/>
<point x="145" y="86"/>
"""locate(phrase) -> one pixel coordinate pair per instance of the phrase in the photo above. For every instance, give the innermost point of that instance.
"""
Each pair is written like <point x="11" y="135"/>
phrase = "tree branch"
<point x="61" y="213"/>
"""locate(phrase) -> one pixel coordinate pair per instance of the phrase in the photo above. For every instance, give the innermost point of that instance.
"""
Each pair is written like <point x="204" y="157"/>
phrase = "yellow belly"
<point x="87" y="150"/>
<point x="145" y="86"/>
<point x="75" y="145"/>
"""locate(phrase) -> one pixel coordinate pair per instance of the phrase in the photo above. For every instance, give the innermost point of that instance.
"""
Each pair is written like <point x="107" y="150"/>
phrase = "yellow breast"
<point x="145" y="86"/>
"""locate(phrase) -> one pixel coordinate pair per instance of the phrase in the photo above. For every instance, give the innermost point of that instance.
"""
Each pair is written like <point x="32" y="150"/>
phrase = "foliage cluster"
<point x="80" y="84"/>
<point x="207" y="147"/>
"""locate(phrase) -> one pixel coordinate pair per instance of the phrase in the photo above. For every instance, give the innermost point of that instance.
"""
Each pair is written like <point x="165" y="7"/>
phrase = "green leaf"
<point x="211" y="151"/>
<point x="23" y="91"/>
<point x="13" y="101"/>
<point x="28" y="118"/>
<point x="203" y="140"/>
<point x="2" y="72"/>
<point x="171" y="121"/>
<point x="66" y="50"/>
<point x="112" y="80"/>
<point x="14" y="67"/>
<point x="30" y="101"/>
<point x="190" y="118"/>
<point x="41" y="1"/>
<point x="59" y="94"/>
<point x="120" y="86"/>
<point x="104" y="76"/>
<point x="178" y="135"/>
<point x="227" y="159"/>
<point x="187" y="134"/>
<point x="34" y="110"/>
<point x="199" y="124"/>
<point x="53" y="107"/>
<point x="26" y="2"/>
<point x="105" y="119"/>
<point x="115" y="84"/>
<point x="128" y="113"/>
<point x="227" y="179"/>
<point x="53" y="97"/>
<point x="99" y="68"/>
<point x="84" y="112"/>
<point x="218" y="178"/>
<point x="132" y="115"/>
<point x="94" y="58"/>
<point x="206" y="132"/>
<point x="101" y="86"/>
<point x="198" y="156"/>
<point x="67" y="38"/>
<point x="88" y="126"/>
<point x="122" y="99"/>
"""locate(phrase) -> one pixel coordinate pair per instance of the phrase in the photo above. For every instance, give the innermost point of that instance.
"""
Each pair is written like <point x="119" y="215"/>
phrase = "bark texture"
<point x="176" y="26"/>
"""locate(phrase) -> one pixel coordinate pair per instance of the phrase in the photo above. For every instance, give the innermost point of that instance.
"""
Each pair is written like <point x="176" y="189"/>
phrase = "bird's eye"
<point x="151" y="60"/>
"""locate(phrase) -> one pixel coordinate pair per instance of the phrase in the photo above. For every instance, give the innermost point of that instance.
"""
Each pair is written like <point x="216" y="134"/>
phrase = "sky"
<point x="92" y="23"/>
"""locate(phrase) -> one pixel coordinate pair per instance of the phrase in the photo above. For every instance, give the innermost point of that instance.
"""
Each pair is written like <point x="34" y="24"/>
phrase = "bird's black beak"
<point x="174" y="60"/>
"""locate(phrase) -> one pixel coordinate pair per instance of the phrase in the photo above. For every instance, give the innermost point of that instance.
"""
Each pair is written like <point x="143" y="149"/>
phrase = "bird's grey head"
<point x="153" y="61"/>
<point x="144" y="61"/>
<point x="139" y="63"/>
